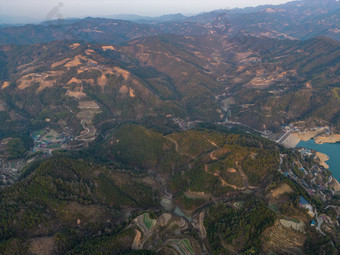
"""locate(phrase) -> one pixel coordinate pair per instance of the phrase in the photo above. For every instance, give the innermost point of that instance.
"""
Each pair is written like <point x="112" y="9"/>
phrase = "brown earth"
<point x="281" y="190"/>
<point x="42" y="246"/>
<point x="74" y="80"/>
<point x="5" y="84"/>
<point x="137" y="241"/>
<point x="282" y="240"/>
<point x="332" y="138"/>
<point x="75" y="62"/>
<point x="73" y="212"/>
<point x="110" y="47"/>
<point x="307" y="135"/>
<point x="89" y="52"/>
<point x="323" y="158"/>
<point x="59" y="63"/>
<point x="76" y="94"/>
<point x="122" y="72"/>
<point x="74" y="46"/>
<point x="124" y="90"/>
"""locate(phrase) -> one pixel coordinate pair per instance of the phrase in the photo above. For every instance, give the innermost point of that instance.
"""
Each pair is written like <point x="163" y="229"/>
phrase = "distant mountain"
<point x="130" y="17"/>
<point x="121" y="137"/>
<point x="295" y="20"/>
<point x="300" y="20"/>
<point x="102" y="30"/>
<point x="149" y="20"/>
<point x="57" y="22"/>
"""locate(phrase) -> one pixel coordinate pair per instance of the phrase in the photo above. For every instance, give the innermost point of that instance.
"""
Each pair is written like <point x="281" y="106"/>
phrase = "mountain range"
<point x="295" y="20"/>
<point x="261" y="82"/>
<point x="138" y="135"/>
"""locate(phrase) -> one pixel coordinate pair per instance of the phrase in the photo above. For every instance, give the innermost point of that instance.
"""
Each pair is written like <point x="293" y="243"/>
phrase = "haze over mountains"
<point x="294" y="20"/>
<point x="203" y="68"/>
<point x="139" y="135"/>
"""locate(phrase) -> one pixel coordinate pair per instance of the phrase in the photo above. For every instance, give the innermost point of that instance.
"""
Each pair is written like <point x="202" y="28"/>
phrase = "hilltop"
<point x="150" y="136"/>
<point x="126" y="199"/>
<point x="260" y="82"/>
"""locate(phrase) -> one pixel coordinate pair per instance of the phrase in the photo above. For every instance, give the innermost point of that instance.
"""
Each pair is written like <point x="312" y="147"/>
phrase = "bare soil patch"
<point x="74" y="46"/>
<point x="136" y="245"/>
<point x="281" y="190"/>
<point x="60" y="63"/>
<point x="5" y="84"/>
<point x="110" y="47"/>
<point x="74" y="80"/>
<point x="282" y="240"/>
<point x="124" y="90"/>
<point x="42" y="246"/>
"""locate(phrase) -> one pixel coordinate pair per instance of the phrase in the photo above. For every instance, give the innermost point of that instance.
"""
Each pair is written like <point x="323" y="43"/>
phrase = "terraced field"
<point x="279" y="238"/>
<point x="183" y="246"/>
<point x="149" y="223"/>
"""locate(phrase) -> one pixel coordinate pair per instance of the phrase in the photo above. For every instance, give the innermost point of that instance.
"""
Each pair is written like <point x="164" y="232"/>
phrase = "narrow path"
<point x="212" y="153"/>
<point x="320" y="221"/>
<point x="330" y="180"/>
<point x="211" y="142"/>
<point x="224" y="183"/>
<point x="173" y="141"/>
<point x="212" y="156"/>
<point x="177" y="147"/>
<point x="201" y="227"/>
<point x="84" y="125"/>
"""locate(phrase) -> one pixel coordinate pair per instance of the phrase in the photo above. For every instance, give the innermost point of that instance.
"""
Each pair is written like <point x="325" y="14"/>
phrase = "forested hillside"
<point x="76" y="205"/>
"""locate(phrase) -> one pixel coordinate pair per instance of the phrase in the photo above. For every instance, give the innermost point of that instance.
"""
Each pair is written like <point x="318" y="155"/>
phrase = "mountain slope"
<point x="75" y="206"/>
<point x="260" y="82"/>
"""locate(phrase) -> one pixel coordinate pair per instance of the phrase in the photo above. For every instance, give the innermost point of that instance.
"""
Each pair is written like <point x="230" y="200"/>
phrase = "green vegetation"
<point x="240" y="228"/>
<point x="16" y="148"/>
<point x="140" y="252"/>
<point x="148" y="90"/>
<point x="309" y="91"/>
<point x="75" y="196"/>
<point x="143" y="148"/>
<point x="149" y="223"/>
<point x="298" y="172"/>
<point x="116" y="244"/>
<point x="188" y="245"/>
<point x="320" y="245"/>
<point x="192" y="142"/>
<point x="138" y="146"/>
<point x="60" y="184"/>
<point x="259" y="167"/>
<point x="13" y="246"/>
<point x="189" y="203"/>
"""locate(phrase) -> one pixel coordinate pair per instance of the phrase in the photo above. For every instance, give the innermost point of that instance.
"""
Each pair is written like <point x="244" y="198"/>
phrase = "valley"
<point x="172" y="135"/>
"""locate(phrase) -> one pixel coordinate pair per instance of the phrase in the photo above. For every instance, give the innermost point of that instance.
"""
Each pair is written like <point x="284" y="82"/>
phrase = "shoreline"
<point x="334" y="184"/>
<point x="318" y="137"/>
<point x="323" y="158"/>
<point x="333" y="138"/>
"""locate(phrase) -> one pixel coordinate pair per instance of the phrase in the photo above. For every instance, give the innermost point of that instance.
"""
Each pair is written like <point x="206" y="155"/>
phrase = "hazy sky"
<point x="40" y="9"/>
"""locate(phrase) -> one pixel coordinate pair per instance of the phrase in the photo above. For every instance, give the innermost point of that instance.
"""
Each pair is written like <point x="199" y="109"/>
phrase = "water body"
<point x="180" y="213"/>
<point x="332" y="150"/>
